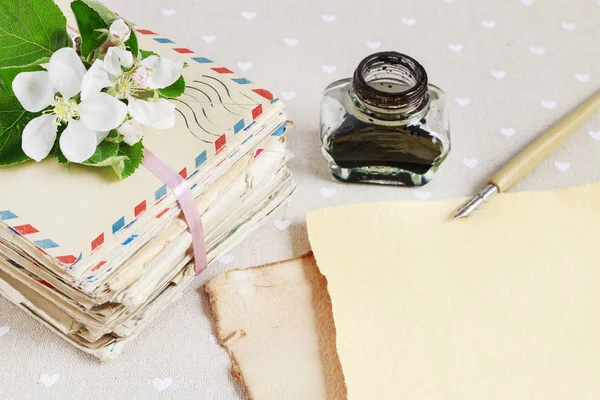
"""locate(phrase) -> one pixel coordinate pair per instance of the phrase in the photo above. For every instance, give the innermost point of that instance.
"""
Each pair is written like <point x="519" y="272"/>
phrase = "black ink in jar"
<point x="386" y="124"/>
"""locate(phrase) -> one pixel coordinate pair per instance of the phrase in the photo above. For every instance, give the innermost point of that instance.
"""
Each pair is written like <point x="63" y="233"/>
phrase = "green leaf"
<point x="13" y="118"/>
<point x="132" y="43"/>
<point x="175" y="90"/>
<point x="147" y="53"/>
<point x="133" y="156"/>
<point x="106" y="14"/>
<point x="59" y="154"/>
<point x="56" y="151"/>
<point x="11" y="152"/>
<point x="29" y="31"/>
<point x="35" y="63"/>
<point x="105" y="151"/>
<point x="89" y="23"/>
<point x="114" y="162"/>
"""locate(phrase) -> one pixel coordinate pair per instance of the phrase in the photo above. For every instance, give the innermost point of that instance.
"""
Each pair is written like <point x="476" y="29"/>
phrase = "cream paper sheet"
<point x="503" y="305"/>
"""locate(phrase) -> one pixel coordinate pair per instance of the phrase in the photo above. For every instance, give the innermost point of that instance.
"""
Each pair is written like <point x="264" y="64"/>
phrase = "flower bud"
<point x="120" y="30"/>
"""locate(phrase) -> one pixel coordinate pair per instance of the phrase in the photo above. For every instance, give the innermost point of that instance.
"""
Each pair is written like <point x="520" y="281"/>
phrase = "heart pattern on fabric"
<point x="226" y="259"/>
<point x="422" y="194"/>
<point x="248" y="15"/>
<point x="327" y="192"/>
<point x="562" y="166"/>
<point x="291" y="41"/>
<point x="549" y="104"/>
<point x="209" y="39"/>
<point x="328" y="18"/>
<point x="538" y="50"/>
<point x="373" y="45"/>
<point x="593" y="134"/>
<point x="498" y="74"/>
<point x="329" y="68"/>
<point x="507" y="131"/>
<point x="213" y="339"/>
<point x="282" y="224"/>
<point x="470" y="162"/>
<point x="177" y="297"/>
<point x="462" y="101"/>
<point x="162" y="384"/>
<point x="168" y="12"/>
<point x="455" y="47"/>
<point x="288" y="95"/>
<point x="49" y="380"/>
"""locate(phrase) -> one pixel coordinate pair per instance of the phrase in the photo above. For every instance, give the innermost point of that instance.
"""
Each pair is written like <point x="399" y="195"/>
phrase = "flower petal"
<point x="166" y="73"/>
<point x="34" y="90"/>
<point x="102" y="112"/>
<point x="112" y="64"/>
<point x="132" y="131"/>
<point x="95" y="80"/>
<point x="39" y="136"/>
<point x="66" y="72"/>
<point x="130" y="128"/>
<point x="120" y="29"/>
<point x="78" y="142"/>
<point x="150" y="62"/>
<point x="125" y="57"/>
<point x="100" y="136"/>
<point x="131" y="140"/>
<point x="142" y="77"/>
<point x="115" y="58"/>
<point x="159" y="114"/>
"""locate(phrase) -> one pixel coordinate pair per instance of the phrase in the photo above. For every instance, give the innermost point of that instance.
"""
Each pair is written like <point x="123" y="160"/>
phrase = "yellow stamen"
<point x="126" y="86"/>
<point x="64" y="109"/>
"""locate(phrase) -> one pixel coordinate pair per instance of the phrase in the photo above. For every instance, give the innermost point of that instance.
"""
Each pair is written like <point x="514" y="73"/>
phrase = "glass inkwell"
<point x="386" y="124"/>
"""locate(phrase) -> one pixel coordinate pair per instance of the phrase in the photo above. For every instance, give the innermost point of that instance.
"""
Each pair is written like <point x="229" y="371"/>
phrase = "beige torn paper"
<point x="276" y="322"/>
<point x="503" y="305"/>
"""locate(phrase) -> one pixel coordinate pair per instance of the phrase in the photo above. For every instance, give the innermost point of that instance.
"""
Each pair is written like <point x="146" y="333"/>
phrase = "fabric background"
<point x="510" y="68"/>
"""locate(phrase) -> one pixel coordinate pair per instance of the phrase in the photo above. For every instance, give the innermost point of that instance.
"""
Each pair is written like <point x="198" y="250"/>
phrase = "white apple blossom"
<point x="154" y="73"/>
<point x="88" y="122"/>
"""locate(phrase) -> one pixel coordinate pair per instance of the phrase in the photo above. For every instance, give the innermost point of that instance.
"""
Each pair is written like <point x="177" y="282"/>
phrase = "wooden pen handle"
<point x="540" y="149"/>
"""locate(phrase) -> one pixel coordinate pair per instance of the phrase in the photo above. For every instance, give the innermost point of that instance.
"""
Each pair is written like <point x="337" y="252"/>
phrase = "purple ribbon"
<point x="182" y="191"/>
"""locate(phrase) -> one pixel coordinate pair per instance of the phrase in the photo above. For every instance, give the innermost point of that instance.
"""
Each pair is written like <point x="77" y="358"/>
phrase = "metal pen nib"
<point x="476" y="202"/>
